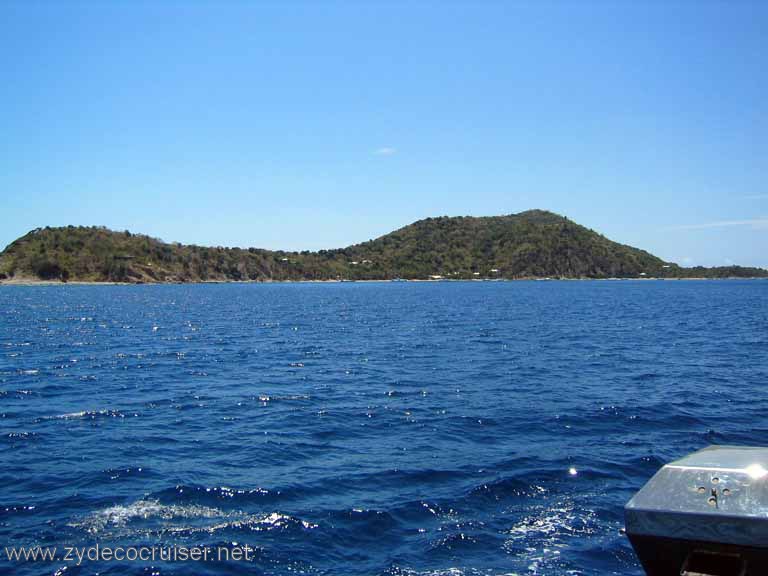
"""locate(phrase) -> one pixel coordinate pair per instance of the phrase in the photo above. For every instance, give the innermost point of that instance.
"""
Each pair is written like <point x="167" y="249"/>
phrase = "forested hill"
<point x="533" y="244"/>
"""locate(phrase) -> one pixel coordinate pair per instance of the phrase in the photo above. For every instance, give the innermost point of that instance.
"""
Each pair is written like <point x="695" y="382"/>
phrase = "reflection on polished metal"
<point x="704" y="515"/>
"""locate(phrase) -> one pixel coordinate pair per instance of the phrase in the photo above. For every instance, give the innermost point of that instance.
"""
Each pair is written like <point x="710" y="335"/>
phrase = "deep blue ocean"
<point x="478" y="428"/>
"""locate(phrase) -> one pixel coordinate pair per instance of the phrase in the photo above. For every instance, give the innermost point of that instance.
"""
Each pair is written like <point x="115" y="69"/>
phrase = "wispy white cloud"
<point x="385" y="151"/>
<point x="757" y="223"/>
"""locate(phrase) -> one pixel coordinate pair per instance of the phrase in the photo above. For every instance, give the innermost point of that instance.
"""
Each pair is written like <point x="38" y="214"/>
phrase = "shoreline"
<point x="34" y="282"/>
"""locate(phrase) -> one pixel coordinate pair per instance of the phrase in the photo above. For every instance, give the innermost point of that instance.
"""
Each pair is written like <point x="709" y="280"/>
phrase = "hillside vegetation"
<point x="533" y="244"/>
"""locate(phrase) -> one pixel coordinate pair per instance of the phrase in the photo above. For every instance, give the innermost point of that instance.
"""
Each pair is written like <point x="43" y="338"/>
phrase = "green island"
<point x="531" y="244"/>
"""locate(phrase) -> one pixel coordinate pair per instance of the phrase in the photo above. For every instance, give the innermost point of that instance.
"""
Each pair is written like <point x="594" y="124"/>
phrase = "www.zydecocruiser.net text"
<point x="78" y="555"/>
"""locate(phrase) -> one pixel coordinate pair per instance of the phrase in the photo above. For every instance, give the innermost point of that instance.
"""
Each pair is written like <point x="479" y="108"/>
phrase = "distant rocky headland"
<point x="532" y="244"/>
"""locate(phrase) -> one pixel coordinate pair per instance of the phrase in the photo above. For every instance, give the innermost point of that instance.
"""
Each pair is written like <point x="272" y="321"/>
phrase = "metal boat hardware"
<point x="704" y="515"/>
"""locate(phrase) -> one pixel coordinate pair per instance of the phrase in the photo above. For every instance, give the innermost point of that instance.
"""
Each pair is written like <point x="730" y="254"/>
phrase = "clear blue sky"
<point x="315" y="125"/>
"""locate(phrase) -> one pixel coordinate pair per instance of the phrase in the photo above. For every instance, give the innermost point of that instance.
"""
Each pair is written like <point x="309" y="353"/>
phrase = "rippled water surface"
<point x="367" y="428"/>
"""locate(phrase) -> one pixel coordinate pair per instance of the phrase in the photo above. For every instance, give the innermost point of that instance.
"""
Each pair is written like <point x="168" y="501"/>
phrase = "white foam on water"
<point x="255" y="523"/>
<point x="452" y="571"/>
<point x="86" y="414"/>
<point x="545" y="531"/>
<point x="120" y="515"/>
<point x="117" y="517"/>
